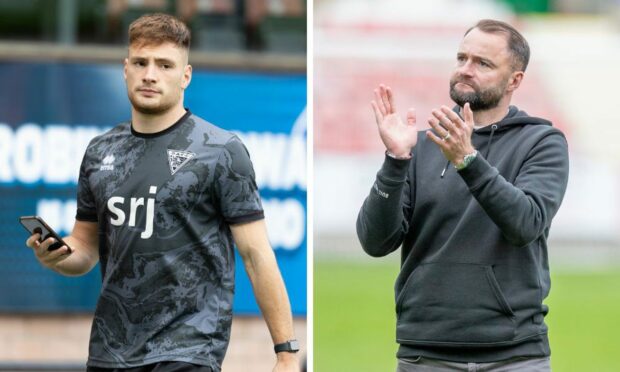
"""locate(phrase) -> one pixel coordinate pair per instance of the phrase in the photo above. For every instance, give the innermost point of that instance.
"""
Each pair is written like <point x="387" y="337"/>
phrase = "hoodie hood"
<point x="515" y="118"/>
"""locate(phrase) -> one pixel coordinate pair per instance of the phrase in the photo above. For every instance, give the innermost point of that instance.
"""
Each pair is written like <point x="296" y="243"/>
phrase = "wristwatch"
<point x="467" y="159"/>
<point x="290" y="346"/>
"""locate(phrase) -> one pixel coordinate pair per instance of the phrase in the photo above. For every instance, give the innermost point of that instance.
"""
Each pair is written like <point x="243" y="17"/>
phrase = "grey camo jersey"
<point x="164" y="203"/>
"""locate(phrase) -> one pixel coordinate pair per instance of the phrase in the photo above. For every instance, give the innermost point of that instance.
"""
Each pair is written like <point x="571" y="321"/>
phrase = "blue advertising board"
<point x="50" y="111"/>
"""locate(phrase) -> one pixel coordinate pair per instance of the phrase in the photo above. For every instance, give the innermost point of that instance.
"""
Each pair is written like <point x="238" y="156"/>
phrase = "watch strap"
<point x="467" y="159"/>
<point x="290" y="346"/>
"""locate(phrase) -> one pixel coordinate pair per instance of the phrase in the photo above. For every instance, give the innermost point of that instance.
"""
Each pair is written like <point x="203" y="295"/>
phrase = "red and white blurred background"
<point x="411" y="46"/>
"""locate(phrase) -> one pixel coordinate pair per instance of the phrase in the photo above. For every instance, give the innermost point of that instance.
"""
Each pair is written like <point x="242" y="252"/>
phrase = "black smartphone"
<point x="36" y="225"/>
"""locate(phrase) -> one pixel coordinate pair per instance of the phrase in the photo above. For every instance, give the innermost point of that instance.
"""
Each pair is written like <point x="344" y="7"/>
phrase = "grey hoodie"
<point x="474" y="267"/>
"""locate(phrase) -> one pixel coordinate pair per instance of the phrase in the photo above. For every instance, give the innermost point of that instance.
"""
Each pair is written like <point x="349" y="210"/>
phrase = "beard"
<point x="479" y="99"/>
<point x="149" y="108"/>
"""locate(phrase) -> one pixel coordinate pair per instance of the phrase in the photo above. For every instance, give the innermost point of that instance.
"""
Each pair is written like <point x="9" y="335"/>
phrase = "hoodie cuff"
<point x="393" y="171"/>
<point x="477" y="172"/>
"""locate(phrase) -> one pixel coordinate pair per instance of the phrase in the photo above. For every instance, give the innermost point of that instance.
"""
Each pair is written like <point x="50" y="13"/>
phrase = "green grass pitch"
<point x="354" y="321"/>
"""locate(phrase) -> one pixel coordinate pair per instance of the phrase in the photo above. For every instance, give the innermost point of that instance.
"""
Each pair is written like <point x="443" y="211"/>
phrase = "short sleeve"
<point x="86" y="207"/>
<point x="235" y="185"/>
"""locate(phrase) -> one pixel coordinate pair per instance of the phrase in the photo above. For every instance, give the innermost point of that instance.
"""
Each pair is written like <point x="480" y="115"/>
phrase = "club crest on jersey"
<point x="178" y="158"/>
<point x="107" y="163"/>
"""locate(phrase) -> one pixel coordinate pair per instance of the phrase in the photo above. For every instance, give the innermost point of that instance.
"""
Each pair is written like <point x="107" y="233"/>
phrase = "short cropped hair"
<point x="517" y="45"/>
<point x="159" y="28"/>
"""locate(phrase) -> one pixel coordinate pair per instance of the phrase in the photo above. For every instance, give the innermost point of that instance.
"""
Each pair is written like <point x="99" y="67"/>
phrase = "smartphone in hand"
<point x="36" y="225"/>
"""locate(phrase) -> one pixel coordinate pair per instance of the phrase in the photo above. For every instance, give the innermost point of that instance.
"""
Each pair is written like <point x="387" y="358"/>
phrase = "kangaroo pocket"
<point x="460" y="304"/>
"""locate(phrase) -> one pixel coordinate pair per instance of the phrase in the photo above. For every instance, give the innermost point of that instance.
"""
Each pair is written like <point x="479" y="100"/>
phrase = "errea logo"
<point x="107" y="163"/>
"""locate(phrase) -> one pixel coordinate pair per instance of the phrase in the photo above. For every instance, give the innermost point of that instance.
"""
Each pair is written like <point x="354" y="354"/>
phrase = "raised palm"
<point x="398" y="137"/>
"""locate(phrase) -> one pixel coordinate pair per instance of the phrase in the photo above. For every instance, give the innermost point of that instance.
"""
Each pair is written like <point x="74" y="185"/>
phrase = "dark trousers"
<point x="420" y="364"/>
<point x="157" y="367"/>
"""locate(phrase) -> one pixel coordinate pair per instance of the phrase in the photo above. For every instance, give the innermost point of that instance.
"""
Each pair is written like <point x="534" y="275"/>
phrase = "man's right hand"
<point x="398" y="137"/>
<point x="47" y="258"/>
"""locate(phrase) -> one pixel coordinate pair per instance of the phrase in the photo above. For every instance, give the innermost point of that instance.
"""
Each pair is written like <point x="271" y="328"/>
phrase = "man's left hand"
<point x="453" y="133"/>
<point x="287" y="362"/>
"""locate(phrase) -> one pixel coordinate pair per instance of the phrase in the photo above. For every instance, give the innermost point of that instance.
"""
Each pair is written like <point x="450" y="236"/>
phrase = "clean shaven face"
<point x="156" y="77"/>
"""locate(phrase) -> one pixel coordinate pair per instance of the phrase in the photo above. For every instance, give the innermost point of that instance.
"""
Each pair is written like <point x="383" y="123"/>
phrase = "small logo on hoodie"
<point x="381" y="193"/>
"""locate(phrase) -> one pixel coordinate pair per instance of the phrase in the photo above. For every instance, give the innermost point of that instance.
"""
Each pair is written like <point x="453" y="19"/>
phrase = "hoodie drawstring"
<point x="445" y="168"/>
<point x="486" y="155"/>
<point x="493" y="128"/>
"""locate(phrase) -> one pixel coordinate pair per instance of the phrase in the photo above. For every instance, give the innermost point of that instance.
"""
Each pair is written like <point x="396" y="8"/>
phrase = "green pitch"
<point x="354" y="321"/>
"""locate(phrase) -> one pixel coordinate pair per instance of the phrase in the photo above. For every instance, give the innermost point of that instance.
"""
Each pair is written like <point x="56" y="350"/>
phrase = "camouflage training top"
<point x="163" y="203"/>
